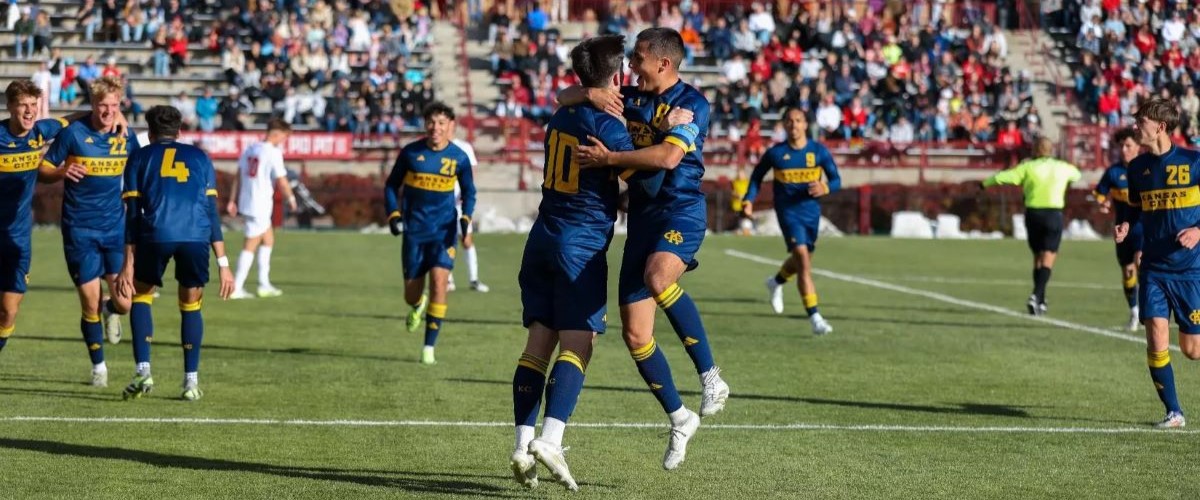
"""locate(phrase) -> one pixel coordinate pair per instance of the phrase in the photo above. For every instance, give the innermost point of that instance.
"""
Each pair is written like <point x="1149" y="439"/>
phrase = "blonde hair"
<point x="105" y="86"/>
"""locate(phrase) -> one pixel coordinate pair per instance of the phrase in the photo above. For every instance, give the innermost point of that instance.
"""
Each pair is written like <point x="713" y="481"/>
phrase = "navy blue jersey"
<point x="1164" y="194"/>
<point x="175" y="187"/>
<point x="427" y="177"/>
<point x="579" y="206"/>
<point x="94" y="202"/>
<point x="643" y="113"/>
<point x="20" y="157"/>
<point x="1114" y="185"/>
<point x="795" y="169"/>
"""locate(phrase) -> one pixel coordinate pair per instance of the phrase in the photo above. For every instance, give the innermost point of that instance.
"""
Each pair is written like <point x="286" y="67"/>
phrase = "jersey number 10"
<point x="172" y="168"/>
<point x="562" y="171"/>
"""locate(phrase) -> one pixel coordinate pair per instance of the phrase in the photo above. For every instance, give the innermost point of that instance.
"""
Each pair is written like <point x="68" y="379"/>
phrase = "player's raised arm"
<point x="1014" y="176"/>
<point x="391" y="195"/>
<point x="606" y="100"/>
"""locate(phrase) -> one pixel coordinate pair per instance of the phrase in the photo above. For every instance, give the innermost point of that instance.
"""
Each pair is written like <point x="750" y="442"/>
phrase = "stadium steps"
<point x="1036" y="54"/>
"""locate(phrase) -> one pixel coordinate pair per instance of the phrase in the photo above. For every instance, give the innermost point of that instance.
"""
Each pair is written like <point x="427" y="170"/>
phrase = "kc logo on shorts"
<point x="1194" y="317"/>
<point x="674" y="237"/>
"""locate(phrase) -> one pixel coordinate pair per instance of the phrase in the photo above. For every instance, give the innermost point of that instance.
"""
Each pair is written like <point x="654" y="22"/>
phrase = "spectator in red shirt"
<point x="111" y="68"/>
<point x="1145" y="41"/>
<point x="761" y="67"/>
<point x="793" y="55"/>
<point x="855" y="119"/>
<point x="1009" y="138"/>
<point x="1173" y="61"/>
<point x="1110" y="105"/>
<point x="177" y="48"/>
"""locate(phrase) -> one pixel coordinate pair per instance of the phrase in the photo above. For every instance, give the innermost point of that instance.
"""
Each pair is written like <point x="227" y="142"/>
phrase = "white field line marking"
<point x="598" y="425"/>
<point x="970" y="304"/>
<point x="969" y="281"/>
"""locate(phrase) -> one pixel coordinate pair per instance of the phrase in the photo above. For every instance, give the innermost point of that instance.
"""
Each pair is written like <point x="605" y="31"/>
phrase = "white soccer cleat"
<point x="821" y="327"/>
<point x="450" y="286"/>
<point x="716" y="391"/>
<point x="775" y="295"/>
<point x="240" y="294"/>
<point x="112" y="326"/>
<point x="269" y="291"/>
<point x="1135" y="322"/>
<point x="524" y="468"/>
<point x="677" y="445"/>
<point x="191" y="392"/>
<point x="552" y="457"/>
<point x="478" y="286"/>
<point x="1173" y="420"/>
<point x="99" y="378"/>
<point x="427" y="356"/>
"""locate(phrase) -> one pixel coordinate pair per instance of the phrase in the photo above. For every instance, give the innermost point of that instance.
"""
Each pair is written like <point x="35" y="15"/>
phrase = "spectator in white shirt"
<point x="1173" y="29"/>
<point x="829" y="117"/>
<point x="734" y="70"/>
<point x="901" y="134"/>
<point x="743" y="39"/>
<point x="761" y="22"/>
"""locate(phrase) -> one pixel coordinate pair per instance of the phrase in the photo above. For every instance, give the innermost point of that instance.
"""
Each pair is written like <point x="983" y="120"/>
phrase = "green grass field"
<point x="913" y="396"/>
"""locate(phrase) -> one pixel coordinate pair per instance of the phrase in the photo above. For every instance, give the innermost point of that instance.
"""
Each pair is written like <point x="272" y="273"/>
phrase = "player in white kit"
<point x="260" y="173"/>
<point x="467" y="241"/>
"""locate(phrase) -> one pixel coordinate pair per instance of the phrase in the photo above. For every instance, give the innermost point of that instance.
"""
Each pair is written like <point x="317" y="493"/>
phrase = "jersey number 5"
<point x="172" y="168"/>
<point x="1179" y="174"/>
<point x="562" y="171"/>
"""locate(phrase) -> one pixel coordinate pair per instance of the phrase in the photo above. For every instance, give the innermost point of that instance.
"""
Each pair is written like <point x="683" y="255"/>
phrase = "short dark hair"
<point x="21" y="88"/>
<point x="1160" y="110"/>
<point x="1124" y="133"/>
<point x="797" y="109"/>
<point x="597" y="59"/>
<point x="278" y="124"/>
<point x="164" y="121"/>
<point x="663" y="42"/>
<point x="437" y="108"/>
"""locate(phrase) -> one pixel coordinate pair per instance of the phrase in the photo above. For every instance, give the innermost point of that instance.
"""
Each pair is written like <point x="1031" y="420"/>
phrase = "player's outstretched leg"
<point x="638" y="321"/>
<point x="662" y="270"/>
<point x="808" y="290"/>
<point x="265" y="288"/>
<point x="9" y="304"/>
<point x="93" y="331"/>
<point x="561" y="397"/>
<point x="141" y="322"/>
<point x="433" y="326"/>
<point x="191" y="332"/>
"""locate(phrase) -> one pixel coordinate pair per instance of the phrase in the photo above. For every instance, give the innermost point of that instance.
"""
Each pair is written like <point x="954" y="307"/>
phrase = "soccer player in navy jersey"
<point x="419" y="198"/>
<point x="804" y="172"/>
<point x="171" y="215"/>
<point x="666" y="227"/>
<point x="93" y="221"/>
<point x="564" y="271"/>
<point x="22" y="138"/>
<point x="1164" y="196"/>
<point x="1112" y="193"/>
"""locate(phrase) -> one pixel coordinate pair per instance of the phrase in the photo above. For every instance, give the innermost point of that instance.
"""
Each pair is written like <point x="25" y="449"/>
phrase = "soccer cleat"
<point x="775" y="295"/>
<point x="821" y="327"/>
<point x="191" y="392"/>
<point x="1173" y="420"/>
<point x="269" y="291"/>
<point x="552" y="457"/>
<point x="1135" y="322"/>
<point x="450" y="286"/>
<point x="140" y="386"/>
<point x="479" y="287"/>
<point x="715" y="392"/>
<point x="677" y="445"/>
<point x="112" y="326"/>
<point x="524" y="468"/>
<point x="240" y="294"/>
<point x="99" y="378"/>
<point x="1032" y="306"/>
<point x="1042" y="309"/>
<point x="418" y="312"/>
<point x="427" y="356"/>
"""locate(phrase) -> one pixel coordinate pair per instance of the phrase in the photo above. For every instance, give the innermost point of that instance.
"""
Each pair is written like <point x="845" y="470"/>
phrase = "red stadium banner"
<point x="299" y="146"/>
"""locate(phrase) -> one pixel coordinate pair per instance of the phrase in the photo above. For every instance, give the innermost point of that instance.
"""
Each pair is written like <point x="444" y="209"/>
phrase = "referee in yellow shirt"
<point x="1045" y="180"/>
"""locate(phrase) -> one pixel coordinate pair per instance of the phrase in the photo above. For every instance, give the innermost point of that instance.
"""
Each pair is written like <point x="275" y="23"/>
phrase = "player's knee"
<point x="8" y="314"/>
<point x="657" y="281"/>
<point x="637" y="338"/>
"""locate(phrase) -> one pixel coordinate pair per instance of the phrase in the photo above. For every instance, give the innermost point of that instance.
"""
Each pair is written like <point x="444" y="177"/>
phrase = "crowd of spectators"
<point x="341" y="65"/>
<point x="891" y="71"/>
<point x="1128" y="51"/>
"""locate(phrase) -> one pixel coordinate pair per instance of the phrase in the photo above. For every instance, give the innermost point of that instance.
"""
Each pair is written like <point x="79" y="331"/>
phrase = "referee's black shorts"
<point x="1044" y="227"/>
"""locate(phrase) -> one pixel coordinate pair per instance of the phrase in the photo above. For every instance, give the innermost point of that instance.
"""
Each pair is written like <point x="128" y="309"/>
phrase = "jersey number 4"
<point x="172" y="168"/>
<point x="562" y="171"/>
<point x="1179" y="174"/>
